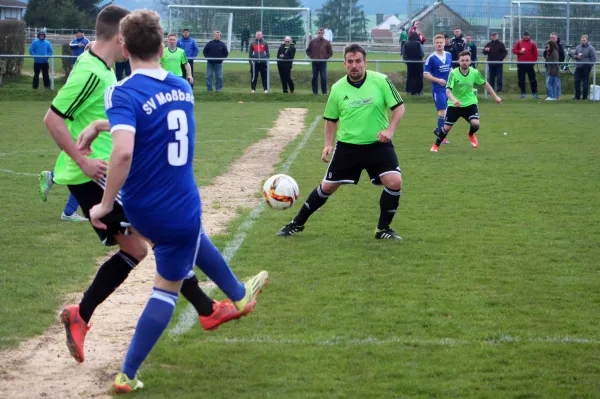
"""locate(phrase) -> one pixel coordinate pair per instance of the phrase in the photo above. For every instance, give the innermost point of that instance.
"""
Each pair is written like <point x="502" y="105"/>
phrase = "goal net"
<point x="275" y="23"/>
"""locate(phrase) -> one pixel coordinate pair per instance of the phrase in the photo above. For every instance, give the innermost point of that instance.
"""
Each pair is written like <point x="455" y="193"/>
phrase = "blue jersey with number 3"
<point x="160" y="196"/>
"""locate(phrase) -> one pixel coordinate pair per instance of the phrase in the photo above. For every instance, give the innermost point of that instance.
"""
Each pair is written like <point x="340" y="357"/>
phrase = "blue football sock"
<point x="71" y="206"/>
<point x="212" y="263"/>
<point x="153" y="321"/>
<point x="440" y="123"/>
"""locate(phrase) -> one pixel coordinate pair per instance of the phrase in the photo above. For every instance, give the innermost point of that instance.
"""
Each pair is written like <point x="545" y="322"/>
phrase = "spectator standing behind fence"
<point x="526" y="51"/>
<point x="496" y="51"/>
<point x="259" y="55"/>
<point x="286" y="52"/>
<point x="413" y="51"/>
<point x="583" y="53"/>
<point x="78" y="44"/>
<point x="552" y="71"/>
<point x="245" y="37"/>
<point x="447" y="46"/>
<point x="189" y="45"/>
<point x="458" y="45"/>
<point x="472" y="48"/>
<point x="328" y="34"/>
<point x="40" y="47"/>
<point x="215" y="49"/>
<point x="403" y="39"/>
<point x="561" y="50"/>
<point x="319" y="49"/>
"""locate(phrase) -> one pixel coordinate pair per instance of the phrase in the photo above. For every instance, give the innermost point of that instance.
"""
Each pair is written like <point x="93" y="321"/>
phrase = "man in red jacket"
<point x="526" y="51"/>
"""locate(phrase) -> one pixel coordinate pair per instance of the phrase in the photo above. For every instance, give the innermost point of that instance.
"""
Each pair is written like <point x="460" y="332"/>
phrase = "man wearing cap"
<point x="285" y="55"/>
<point x="40" y="47"/>
<point x="526" y="51"/>
<point x="496" y="51"/>
<point x="78" y="44"/>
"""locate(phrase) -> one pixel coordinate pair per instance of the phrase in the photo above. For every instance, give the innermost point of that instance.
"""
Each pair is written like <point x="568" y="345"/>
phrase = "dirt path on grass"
<point x="42" y="367"/>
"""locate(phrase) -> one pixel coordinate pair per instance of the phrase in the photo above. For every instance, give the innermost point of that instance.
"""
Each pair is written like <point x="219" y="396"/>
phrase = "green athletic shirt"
<point x="173" y="60"/>
<point x="80" y="102"/>
<point x="362" y="112"/>
<point x="462" y="86"/>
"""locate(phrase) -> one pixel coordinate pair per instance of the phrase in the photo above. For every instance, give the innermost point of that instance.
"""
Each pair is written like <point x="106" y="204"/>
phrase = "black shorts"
<point x="349" y="160"/>
<point x="453" y="114"/>
<point x="90" y="194"/>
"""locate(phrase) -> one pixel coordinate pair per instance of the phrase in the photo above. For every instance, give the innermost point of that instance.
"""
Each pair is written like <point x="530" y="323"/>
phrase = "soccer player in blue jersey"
<point x="437" y="69"/>
<point x="151" y="117"/>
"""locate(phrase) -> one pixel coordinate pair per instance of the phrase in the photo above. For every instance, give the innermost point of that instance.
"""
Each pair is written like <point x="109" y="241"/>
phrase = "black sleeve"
<point x="331" y="119"/>
<point x="397" y="105"/>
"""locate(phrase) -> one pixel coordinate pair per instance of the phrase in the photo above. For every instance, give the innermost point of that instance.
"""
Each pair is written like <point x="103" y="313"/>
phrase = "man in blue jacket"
<point x="40" y="47"/>
<point x="191" y="50"/>
<point x="215" y="49"/>
<point x="78" y="45"/>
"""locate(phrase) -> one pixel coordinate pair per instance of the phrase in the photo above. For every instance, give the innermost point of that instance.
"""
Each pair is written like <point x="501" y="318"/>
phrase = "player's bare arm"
<point x="330" y="131"/>
<point x="452" y="98"/>
<point x="89" y="134"/>
<point x="94" y="168"/>
<point x="491" y="90"/>
<point x="385" y="136"/>
<point x="430" y="77"/>
<point x="188" y="71"/>
<point x="120" y="164"/>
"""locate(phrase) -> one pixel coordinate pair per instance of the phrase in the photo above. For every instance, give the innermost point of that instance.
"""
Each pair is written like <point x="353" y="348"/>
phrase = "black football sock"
<point x="440" y="137"/>
<point x="473" y="130"/>
<point x="110" y="275"/>
<point x="194" y="294"/>
<point x="315" y="200"/>
<point x="388" y="203"/>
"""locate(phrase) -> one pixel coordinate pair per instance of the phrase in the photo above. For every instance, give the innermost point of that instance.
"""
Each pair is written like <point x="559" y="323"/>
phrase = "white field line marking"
<point x="188" y="318"/>
<point x="4" y="154"/>
<point x="334" y="341"/>
<point x="18" y="173"/>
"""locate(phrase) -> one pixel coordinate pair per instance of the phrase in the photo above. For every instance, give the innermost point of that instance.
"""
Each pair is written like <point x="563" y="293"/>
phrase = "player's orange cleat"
<point x="222" y="313"/>
<point x="434" y="148"/>
<point x="445" y="141"/>
<point x="76" y="330"/>
<point x="474" y="142"/>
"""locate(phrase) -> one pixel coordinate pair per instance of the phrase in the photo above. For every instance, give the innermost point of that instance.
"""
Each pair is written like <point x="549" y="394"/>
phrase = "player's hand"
<point x="80" y="45"/>
<point x="190" y="79"/>
<point x="498" y="100"/>
<point x="97" y="212"/>
<point x="385" y="136"/>
<point x="456" y="103"/>
<point x="442" y="82"/>
<point x="326" y="152"/>
<point x="94" y="168"/>
<point x="85" y="139"/>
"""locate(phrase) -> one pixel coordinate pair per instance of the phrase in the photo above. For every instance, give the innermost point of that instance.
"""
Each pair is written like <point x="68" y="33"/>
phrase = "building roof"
<point x="388" y="22"/>
<point x="420" y="14"/>
<point x="12" y="4"/>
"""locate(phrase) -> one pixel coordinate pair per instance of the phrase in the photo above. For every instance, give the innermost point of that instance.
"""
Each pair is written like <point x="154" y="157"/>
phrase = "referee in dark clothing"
<point x="357" y="115"/>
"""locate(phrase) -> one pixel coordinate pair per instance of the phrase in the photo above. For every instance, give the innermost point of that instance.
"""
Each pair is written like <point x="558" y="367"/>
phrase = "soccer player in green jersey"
<point x="174" y="58"/>
<point x="357" y="115"/>
<point x="77" y="110"/>
<point x="462" y="100"/>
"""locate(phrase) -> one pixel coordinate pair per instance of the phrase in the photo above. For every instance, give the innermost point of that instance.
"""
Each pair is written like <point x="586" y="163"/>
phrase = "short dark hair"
<point x="446" y="36"/>
<point x="79" y="31"/>
<point x="142" y="34"/>
<point x="355" y="48"/>
<point x="463" y="53"/>
<point x="186" y="30"/>
<point x="107" y="22"/>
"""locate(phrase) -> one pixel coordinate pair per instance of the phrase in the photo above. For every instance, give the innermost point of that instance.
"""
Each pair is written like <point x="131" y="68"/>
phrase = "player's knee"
<point x="134" y="246"/>
<point x="392" y="181"/>
<point x="447" y="129"/>
<point x="329" y="188"/>
<point x="475" y="123"/>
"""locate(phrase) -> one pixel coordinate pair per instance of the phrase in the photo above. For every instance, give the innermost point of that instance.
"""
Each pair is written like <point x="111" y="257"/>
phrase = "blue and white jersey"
<point x="439" y="67"/>
<point x="160" y="195"/>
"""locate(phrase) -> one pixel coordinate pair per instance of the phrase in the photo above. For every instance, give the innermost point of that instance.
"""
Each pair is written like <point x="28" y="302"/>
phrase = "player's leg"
<point x="441" y="103"/>
<point x="173" y="263"/>
<point x="452" y="115"/>
<point x="345" y="167"/>
<point x="211" y="262"/>
<point x="473" y="118"/>
<point x="69" y="213"/>
<point x="383" y="169"/>
<point x="46" y="182"/>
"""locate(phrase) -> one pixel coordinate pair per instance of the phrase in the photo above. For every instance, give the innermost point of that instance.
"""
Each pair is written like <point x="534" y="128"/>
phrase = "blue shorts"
<point x="176" y="245"/>
<point x="440" y="99"/>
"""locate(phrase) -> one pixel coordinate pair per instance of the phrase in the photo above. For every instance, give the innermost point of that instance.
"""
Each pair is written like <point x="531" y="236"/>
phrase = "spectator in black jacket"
<point x="447" y="46"/>
<point x="413" y="51"/>
<point x="496" y="51"/>
<point x="215" y="49"/>
<point x="561" y="51"/>
<point x="245" y="36"/>
<point x="259" y="55"/>
<point x="458" y="44"/>
<point x="472" y="48"/>
<point x="286" y="51"/>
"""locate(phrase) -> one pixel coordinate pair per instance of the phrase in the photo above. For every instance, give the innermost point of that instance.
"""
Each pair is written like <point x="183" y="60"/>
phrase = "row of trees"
<point x="63" y="13"/>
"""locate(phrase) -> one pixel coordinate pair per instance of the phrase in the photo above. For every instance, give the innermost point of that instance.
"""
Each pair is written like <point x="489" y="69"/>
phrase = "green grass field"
<point x="492" y="294"/>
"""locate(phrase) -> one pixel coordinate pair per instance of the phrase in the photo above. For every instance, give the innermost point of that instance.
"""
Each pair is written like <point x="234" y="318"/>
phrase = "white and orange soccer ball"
<point x="280" y="191"/>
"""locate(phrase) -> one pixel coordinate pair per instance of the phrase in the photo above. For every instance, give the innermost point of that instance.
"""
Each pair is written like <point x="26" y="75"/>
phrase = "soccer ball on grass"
<point x="280" y="191"/>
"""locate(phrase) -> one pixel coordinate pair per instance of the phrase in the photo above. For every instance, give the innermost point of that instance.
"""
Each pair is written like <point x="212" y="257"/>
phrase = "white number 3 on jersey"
<point x="178" y="151"/>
